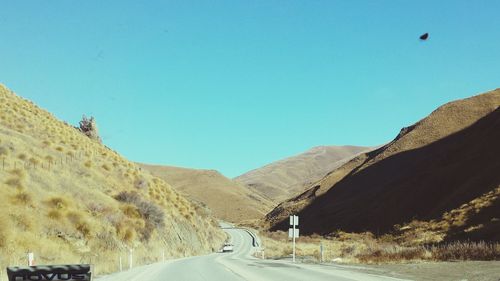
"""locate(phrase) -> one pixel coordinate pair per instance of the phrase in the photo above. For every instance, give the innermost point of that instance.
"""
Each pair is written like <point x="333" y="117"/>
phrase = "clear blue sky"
<point x="233" y="85"/>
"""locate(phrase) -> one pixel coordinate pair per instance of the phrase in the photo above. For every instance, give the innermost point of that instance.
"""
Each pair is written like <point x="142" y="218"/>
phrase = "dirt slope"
<point x="282" y="179"/>
<point x="70" y="199"/>
<point x="227" y="199"/>
<point x="443" y="170"/>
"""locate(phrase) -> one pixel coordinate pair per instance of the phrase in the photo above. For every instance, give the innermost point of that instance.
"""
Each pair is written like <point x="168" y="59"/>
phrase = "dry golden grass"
<point x="365" y="248"/>
<point x="227" y="199"/>
<point x="61" y="186"/>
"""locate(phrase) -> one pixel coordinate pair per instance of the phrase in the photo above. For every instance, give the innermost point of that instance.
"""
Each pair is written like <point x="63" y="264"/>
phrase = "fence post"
<point x="31" y="259"/>
<point x="121" y="267"/>
<point x="321" y="259"/>
<point x="130" y="258"/>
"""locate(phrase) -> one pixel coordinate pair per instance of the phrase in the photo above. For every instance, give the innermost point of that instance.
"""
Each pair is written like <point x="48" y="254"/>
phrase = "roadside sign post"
<point x="31" y="259"/>
<point x="293" y="232"/>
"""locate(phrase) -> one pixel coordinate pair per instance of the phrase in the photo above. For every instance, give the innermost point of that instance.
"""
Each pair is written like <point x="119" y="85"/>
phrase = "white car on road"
<point x="227" y="247"/>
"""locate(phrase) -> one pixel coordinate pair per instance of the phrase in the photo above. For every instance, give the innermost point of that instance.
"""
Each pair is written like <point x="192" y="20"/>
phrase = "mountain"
<point x="227" y="199"/>
<point x="282" y="179"/>
<point x="440" y="174"/>
<point x="70" y="199"/>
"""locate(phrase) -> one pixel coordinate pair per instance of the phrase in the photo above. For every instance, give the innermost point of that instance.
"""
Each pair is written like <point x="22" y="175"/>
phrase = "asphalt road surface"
<point x="237" y="266"/>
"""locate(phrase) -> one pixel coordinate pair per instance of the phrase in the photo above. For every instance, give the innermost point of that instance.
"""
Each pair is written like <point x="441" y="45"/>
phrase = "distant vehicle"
<point x="227" y="248"/>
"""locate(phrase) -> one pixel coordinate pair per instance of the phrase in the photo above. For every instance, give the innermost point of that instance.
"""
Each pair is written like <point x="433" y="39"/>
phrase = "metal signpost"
<point x="293" y="232"/>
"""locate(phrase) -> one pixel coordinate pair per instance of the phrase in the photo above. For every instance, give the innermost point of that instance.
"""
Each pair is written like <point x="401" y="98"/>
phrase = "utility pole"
<point x="293" y="232"/>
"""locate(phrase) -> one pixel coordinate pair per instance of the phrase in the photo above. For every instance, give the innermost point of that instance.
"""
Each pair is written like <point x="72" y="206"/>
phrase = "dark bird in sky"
<point x="424" y="36"/>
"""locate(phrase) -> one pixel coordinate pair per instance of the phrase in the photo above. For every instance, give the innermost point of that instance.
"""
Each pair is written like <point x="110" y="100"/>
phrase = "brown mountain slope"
<point x="227" y="199"/>
<point x="444" y="169"/>
<point x="70" y="199"/>
<point x="282" y="179"/>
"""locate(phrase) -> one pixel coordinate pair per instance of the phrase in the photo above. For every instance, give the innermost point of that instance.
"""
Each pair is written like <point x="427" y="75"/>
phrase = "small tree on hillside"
<point x="89" y="128"/>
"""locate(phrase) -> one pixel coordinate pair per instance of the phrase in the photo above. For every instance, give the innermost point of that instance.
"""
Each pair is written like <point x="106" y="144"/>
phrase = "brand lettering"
<point x="49" y="276"/>
<point x="72" y="272"/>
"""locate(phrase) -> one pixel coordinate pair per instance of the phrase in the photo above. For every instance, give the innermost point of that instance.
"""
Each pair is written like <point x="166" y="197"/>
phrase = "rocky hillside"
<point x="440" y="174"/>
<point x="227" y="199"/>
<point x="282" y="179"/>
<point x="70" y="199"/>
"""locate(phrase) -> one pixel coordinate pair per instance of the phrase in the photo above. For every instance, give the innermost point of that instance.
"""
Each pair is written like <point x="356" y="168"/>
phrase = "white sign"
<point x="291" y="233"/>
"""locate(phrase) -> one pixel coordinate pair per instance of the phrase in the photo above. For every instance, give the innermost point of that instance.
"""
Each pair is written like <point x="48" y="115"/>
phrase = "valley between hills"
<point x="429" y="195"/>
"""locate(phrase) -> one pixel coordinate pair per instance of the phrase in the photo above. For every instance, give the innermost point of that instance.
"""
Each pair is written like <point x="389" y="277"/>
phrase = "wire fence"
<point x="46" y="163"/>
<point x="101" y="264"/>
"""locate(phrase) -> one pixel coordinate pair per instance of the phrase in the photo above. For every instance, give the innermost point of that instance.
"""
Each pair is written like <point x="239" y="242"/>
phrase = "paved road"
<point x="238" y="266"/>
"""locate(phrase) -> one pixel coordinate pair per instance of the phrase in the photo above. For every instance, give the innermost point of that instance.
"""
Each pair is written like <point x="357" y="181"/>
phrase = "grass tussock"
<point x="81" y="223"/>
<point x="55" y="215"/>
<point x="22" y="198"/>
<point x="58" y="202"/>
<point x="14" y="182"/>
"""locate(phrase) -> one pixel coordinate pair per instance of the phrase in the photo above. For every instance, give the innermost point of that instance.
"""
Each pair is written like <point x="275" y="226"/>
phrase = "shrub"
<point x="96" y="209"/>
<point x="129" y="197"/>
<point x="89" y="128"/>
<point x="151" y="212"/>
<point x="466" y="251"/>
